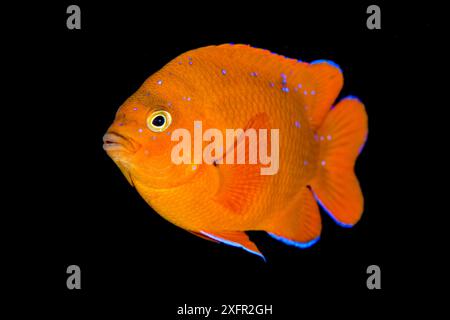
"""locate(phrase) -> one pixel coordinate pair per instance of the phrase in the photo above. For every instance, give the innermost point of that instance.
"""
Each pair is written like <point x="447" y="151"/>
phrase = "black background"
<point x="80" y="210"/>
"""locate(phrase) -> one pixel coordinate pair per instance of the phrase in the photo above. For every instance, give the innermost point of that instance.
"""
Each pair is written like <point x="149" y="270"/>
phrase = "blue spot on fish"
<point x="285" y="89"/>
<point x="224" y="72"/>
<point x="283" y="79"/>
<point x="159" y="82"/>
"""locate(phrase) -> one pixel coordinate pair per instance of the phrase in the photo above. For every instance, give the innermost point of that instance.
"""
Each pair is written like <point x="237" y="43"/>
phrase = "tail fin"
<point x="341" y="136"/>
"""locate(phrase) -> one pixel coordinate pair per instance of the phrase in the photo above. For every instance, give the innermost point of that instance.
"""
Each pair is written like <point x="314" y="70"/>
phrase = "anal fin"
<point x="234" y="238"/>
<point x="300" y="225"/>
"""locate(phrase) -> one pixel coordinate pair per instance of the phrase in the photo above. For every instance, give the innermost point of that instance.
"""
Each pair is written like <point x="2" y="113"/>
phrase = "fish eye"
<point x="159" y="121"/>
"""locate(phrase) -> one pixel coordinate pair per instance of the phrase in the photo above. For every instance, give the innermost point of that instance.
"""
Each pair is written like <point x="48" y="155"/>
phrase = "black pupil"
<point x="159" y="121"/>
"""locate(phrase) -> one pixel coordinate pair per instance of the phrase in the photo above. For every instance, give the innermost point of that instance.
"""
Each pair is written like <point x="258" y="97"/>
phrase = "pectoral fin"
<point x="240" y="183"/>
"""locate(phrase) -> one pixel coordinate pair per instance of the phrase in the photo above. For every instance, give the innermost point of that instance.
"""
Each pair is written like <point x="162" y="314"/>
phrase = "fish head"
<point x="140" y="142"/>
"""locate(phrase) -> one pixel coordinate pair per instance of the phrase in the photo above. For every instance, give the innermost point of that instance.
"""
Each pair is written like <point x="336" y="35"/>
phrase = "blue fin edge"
<point x="301" y="245"/>
<point x="344" y="225"/>
<point x="331" y="63"/>
<point x="233" y="244"/>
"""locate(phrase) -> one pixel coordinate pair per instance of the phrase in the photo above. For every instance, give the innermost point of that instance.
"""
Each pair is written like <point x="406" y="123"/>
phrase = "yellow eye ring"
<point x="159" y="121"/>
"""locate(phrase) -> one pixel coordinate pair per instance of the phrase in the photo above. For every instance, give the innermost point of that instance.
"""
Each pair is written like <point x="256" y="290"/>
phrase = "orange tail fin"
<point x="341" y="136"/>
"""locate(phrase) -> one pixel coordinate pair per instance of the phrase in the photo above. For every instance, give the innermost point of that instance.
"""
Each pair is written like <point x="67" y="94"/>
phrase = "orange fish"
<point x="237" y="86"/>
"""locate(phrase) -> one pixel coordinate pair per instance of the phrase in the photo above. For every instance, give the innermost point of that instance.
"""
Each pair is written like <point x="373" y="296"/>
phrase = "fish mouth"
<point x="113" y="141"/>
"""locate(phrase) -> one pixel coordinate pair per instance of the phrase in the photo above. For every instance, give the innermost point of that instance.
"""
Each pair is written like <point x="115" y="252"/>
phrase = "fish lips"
<point x="115" y="142"/>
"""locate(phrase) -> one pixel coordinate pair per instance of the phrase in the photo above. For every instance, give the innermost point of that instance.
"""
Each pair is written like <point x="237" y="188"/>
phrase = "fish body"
<point x="237" y="86"/>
